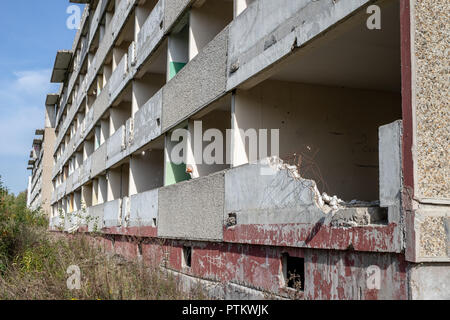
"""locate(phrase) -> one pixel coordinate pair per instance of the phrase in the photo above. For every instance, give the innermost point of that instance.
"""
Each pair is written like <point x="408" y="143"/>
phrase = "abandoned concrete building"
<point x="39" y="191"/>
<point x="356" y="203"/>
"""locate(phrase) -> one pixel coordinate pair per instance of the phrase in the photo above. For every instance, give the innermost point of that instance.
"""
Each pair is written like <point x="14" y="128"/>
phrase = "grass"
<point x="34" y="263"/>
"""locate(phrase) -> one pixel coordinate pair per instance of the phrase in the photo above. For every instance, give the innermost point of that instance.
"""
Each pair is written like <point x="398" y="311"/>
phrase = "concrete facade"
<point x="40" y="186"/>
<point x="353" y="202"/>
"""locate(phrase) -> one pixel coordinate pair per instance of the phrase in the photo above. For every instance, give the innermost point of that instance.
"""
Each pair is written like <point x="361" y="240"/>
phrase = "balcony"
<point x="150" y="33"/>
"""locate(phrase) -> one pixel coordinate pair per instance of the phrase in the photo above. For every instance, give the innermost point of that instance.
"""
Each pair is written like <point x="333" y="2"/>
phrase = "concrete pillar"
<point x="178" y="51"/>
<point x="97" y="136"/>
<point x="101" y="33"/>
<point x="99" y="84"/>
<point x="206" y="20"/>
<point x="117" y="118"/>
<point x="241" y="5"/>
<point x="141" y="14"/>
<point x="107" y="71"/>
<point x="114" y="183"/>
<point x="104" y="125"/>
<point x="118" y="53"/>
<point x="143" y="89"/>
<point x="95" y="192"/>
<point x="88" y="148"/>
<point x="86" y="195"/>
<point x="108" y="18"/>
<point x="175" y="172"/>
<point x="102" y="189"/>
<point x="50" y="116"/>
<point x="77" y="200"/>
<point x="146" y="171"/>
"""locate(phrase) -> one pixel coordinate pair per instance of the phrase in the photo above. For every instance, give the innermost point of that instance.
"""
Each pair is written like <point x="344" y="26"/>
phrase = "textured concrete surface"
<point x="173" y="9"/>
<point x="98" y="160"/>
<point x="430" y="97"/>
<point x="143" y="209"/>
<point x="269" y="37"/>
<point x="198" y="84"/>
<point x="430" y="282"/>
<point x="192" y="209"/>
<point x="431" y="234"/>
<point x="111" y="214"/>
<point x="433" y="238"/>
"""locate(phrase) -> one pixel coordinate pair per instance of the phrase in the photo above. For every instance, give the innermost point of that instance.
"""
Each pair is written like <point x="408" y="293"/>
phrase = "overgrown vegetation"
<point x="34" y="262"/>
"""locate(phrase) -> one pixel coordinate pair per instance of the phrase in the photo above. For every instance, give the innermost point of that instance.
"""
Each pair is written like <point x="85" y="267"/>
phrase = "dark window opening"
<point x="187" y="254"/>
<point x="294" y="272"/>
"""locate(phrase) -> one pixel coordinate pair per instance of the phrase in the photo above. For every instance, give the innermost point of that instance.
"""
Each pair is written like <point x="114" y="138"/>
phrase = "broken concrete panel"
<point x="430" y="282"/>
<point x="98" y="160"/>
<point x="390" y="159"/>
<point x="147" y="122"/>
<point x="192" y="209"/>
<point x="111" y="216"/>
<point x="363" y="216"/>
<point x="265" y="194"/>
<point x="269" y="37"/>
<point x="198" y="84"/>
<point x="144" y="209"/>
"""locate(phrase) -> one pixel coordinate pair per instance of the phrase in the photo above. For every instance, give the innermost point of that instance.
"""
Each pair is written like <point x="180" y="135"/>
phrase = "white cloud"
<point x="22" y="110"/>
<point x="32" y="82"/>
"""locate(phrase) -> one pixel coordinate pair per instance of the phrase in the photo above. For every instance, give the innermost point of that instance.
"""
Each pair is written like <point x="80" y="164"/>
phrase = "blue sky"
<point x="30" y="34"/>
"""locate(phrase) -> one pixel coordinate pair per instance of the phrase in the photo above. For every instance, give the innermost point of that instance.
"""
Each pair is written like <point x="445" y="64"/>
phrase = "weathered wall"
<point x="430" y="282"/>
<point x="199" y="83"/>
<point x="244" y="271"/>
<point x="427" y="225"/>
<point x="192" y="209"/>
<point x="143" y="209"/>
<point x="47" y="167"/>
<point x="430" y="98"/>
<point x="335" y="130"/>
<point x="344" y="275"/>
